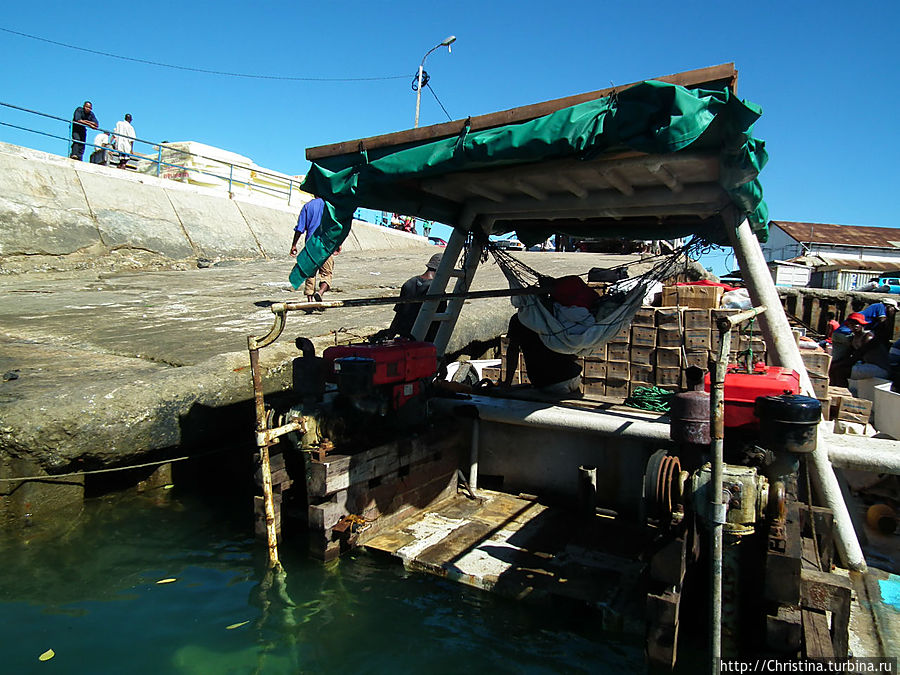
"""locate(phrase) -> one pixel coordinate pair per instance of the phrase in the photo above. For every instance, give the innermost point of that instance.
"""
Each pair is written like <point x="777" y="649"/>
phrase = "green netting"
<point x="652" y="117"/>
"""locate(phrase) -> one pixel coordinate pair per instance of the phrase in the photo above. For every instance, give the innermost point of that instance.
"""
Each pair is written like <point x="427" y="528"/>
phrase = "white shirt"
<point x="124" y="134"/>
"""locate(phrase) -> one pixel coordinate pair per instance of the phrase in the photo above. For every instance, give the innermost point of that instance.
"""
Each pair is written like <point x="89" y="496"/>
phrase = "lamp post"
<point x="446" y="42"/>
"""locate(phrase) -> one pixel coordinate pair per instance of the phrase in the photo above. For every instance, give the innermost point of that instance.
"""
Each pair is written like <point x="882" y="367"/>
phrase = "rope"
<point x="111" y="470"/>
<point x="655" y="399"/>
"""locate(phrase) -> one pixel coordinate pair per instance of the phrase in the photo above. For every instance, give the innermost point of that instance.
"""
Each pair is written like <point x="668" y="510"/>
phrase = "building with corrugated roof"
<point x="844" y="257"/>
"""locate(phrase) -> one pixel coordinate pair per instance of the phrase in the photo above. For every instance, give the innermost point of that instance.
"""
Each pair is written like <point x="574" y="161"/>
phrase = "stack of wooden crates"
<point x="654" y="350"/>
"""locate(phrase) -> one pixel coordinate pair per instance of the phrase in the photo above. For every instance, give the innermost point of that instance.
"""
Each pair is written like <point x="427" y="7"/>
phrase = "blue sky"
<point x="823" y="72"/>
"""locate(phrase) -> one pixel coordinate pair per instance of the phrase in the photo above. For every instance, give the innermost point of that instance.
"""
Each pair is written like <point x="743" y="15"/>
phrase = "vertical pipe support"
<point x="716" y="507"/>
<point x="158" y="160"/>
<point x="780" y="343"/>
<point x="473" y="454"/>
<point x="263" y="445"/>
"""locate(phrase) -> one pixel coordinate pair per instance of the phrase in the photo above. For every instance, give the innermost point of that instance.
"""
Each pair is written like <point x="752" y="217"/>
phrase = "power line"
<point x="252" y="76"/>
<point x="439" y="102"/>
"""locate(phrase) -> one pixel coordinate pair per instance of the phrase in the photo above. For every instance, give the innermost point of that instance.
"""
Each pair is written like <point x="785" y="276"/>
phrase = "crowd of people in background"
<point x="861" y="347"/>
<point x="120" y="142"/>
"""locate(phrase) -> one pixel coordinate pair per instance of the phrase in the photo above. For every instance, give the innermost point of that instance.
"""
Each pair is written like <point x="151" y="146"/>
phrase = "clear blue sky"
<point x="824" y="73"/>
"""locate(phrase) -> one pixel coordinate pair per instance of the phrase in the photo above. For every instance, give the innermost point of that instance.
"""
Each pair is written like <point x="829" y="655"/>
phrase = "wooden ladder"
<point x="428" y="312"/>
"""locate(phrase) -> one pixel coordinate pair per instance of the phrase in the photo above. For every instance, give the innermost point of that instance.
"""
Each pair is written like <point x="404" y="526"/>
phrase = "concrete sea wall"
<point x="57" y="214"/>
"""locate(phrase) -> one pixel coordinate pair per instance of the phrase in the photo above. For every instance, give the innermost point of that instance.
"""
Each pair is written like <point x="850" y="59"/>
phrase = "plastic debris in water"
<point x="236" y="625"/>
<point x="167" y="581"/>
<point x="47" y="655"/>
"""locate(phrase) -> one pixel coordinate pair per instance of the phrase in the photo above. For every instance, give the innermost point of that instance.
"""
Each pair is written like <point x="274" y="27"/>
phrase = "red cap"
<point x="858" y="318"/>
<point x="573" y="291"/>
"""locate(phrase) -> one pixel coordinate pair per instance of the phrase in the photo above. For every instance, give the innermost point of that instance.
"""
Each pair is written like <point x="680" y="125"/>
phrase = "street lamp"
<point x="446" y="42"/>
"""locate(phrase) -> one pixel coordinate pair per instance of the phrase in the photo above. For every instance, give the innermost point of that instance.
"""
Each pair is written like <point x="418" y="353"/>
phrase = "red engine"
<point x="743" y="388"/>
<point x="398" y="366"/>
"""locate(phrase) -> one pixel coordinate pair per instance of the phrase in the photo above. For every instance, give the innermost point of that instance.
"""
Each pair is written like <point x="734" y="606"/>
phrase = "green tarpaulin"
<point x="651" y="117"/>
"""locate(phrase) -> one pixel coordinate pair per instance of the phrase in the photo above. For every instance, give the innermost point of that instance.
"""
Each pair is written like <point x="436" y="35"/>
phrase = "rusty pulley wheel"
<point x="661" y="490"/>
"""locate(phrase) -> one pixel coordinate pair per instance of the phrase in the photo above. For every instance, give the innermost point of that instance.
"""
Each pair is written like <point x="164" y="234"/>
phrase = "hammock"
<point x="575" y="330"/>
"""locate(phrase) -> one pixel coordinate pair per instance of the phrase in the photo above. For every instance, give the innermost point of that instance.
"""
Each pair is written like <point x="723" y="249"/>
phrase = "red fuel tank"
<point x="742" y="389"/>
<point x="396" y="361"/>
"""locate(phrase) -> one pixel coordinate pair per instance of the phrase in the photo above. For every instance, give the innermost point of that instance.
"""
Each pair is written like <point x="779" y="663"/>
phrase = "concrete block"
<point x="273" y="227"/>
<point x="132" y="214"/>
<point x="214" y="225"/>
<point x="42" y="207"/>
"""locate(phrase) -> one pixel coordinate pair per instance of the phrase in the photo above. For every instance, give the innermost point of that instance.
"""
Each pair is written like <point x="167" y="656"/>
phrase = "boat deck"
<point x="519" y="548"/>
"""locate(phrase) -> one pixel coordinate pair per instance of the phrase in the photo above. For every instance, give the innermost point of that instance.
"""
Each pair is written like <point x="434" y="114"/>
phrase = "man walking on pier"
<point x="307" y="223"/>
<point x="83" y="118"/>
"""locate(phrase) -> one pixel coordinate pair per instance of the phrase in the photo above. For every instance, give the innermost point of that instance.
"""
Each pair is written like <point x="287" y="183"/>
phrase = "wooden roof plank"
<point x="711" y="76"/>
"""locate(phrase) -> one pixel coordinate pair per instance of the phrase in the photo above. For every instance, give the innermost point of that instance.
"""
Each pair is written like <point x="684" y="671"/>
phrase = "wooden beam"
<point x="615" y="179"/>
<point x="724" y="74"/>
<point x="568" y="184"/>
<point x="666" y="176"/>
<point x="711" y="194"/>
<point x="484" y="191"/>
<point x="530" y="190"/>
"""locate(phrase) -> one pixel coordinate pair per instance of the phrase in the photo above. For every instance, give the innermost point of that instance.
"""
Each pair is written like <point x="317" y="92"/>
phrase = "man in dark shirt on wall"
<point x="417" y="287"/>
<point x="83" y="118"/>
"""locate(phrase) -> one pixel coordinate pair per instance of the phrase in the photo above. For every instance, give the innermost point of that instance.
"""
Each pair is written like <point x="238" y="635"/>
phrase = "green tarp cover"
<point x="651" y="117"/>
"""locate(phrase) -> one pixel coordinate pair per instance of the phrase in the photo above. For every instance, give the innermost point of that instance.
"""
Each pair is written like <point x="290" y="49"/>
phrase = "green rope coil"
<point x="655" y="399"/>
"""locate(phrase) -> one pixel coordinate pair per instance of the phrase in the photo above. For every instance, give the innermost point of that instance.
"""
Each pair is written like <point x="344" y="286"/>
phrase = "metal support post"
<point x="781" y="344"/>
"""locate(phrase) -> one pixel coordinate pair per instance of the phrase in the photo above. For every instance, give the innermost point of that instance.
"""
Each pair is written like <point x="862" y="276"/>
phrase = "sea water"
<point x="87" y="597"/>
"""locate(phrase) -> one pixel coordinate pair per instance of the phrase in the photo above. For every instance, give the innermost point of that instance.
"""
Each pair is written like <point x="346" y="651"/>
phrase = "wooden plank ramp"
<point x="519" y="548"/>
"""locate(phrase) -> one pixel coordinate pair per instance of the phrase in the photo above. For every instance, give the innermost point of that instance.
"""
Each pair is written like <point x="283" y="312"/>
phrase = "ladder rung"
<point x="443" y="316"/>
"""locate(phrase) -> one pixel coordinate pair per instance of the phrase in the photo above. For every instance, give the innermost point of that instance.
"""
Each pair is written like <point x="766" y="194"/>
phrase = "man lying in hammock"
<point x="553" y="374"/>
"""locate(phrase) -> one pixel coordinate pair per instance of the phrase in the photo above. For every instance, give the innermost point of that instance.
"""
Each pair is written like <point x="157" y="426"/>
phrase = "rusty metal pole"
<point x="263" y="445"/>
<point x="716" y="507"/>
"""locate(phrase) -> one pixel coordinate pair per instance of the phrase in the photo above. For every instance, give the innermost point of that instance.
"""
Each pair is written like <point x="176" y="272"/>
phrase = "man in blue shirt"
<point x="83" y="118"/>
<point x="307" y="223"/>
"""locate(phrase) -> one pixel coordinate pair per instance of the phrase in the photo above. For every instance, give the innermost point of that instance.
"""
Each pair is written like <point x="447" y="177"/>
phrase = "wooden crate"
<point x="642" y="372"/>
<point x="599" y="352"/>
<point x="618" y="351"/>
<point x="645" y="316"/>
<point x="817" y="362"/>
<point x="669" y="336"/>
<point x="668" y="357"/>
<point x="854" y="410"/>
<point x="594" y="368"/>
<point x="618" y="370"/>
<point x="617" y="387"/>
<point x="696" y="319"/>
<point x="668" y="377"/>
<point x="696" y="339"/>
<point x="624" y="335"/>
<point x="699" y="297"/>
<point x="643" y="336"/>
<point x="642" y="355"/>
<point x="820" y="386"/>
<point x="593" y="387"/>
<point x="697" y="358"/>
<point x="668" y="316"/>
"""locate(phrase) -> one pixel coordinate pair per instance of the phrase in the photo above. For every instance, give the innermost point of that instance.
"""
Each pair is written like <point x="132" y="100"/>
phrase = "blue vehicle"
<point x="888" y="284"/>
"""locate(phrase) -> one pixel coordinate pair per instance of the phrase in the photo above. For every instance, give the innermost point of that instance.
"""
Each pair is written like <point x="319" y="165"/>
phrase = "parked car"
<point x="888" y="284"/>
<point x="510" y="244"/>
<point x="437" y="241"/>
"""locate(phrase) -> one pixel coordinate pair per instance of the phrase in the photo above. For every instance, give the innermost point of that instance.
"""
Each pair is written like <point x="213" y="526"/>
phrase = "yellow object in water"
<point x="47" y="655"/>
<point x="167" y="581"/>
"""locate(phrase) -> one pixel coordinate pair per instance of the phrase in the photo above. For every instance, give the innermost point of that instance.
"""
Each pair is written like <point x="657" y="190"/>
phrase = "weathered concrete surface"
<point x="113" y="366"/>
<point x="57" y="214"/>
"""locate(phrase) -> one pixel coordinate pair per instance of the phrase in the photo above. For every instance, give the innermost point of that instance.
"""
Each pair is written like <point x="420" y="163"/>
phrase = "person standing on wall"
<point x="307" y="223"/>
<point x="82" y="118"/>
<point x="123" y="136"/>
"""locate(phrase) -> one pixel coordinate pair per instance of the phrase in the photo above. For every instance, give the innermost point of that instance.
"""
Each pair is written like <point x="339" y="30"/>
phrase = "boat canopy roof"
<point x="657" y="159"/>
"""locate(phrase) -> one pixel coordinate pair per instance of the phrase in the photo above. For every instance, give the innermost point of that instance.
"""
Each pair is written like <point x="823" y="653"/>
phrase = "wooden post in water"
<point x="263" y="445"/>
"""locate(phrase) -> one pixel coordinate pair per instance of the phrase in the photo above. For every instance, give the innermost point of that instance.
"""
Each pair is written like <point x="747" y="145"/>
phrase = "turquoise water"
<point x="89" y="593"/>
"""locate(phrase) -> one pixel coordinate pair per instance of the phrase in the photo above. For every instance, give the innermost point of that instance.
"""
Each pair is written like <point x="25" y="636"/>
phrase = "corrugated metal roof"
<point x="844" y="235"/>
<point x="836" y="262"/>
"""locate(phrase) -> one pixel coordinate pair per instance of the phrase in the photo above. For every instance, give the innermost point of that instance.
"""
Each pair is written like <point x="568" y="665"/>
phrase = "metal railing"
<point x="231" y="173"/>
